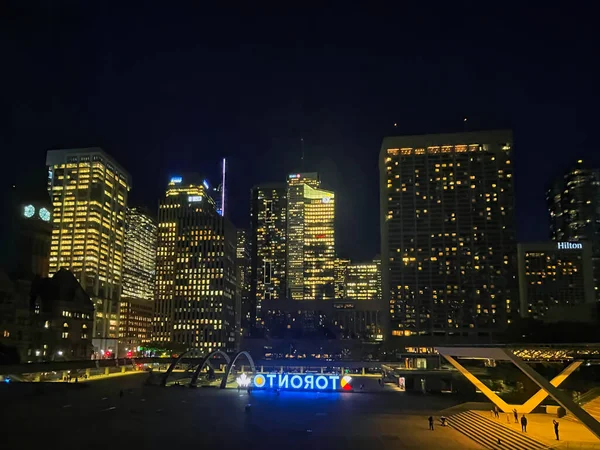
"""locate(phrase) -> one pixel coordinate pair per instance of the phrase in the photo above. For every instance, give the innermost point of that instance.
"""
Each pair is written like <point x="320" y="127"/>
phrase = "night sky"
<point x="173" y="89"/>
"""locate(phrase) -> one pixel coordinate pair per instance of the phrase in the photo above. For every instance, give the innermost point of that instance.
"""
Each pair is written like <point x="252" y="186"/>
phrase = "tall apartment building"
<point x="340" y="268"/>
<point x="267" y="246"/>
<point x="554" y="275"/>
<point x="574" y="207"/>
<point x="88" y="190"/>
<point x="448" y="235"/>
<point x="196" y="285"/>
<point x="139" y="263"/>
<point x="139" y="277"/>
<point x="243" y="276"/>
<point x="363" y="281"/>
<point x="310" y="239"/>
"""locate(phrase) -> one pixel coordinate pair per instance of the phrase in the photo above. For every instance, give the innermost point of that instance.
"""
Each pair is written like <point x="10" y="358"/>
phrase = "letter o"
<point x="321" y="382"/>
<point x="259" y="381"/>
<point x="296" y="378"/>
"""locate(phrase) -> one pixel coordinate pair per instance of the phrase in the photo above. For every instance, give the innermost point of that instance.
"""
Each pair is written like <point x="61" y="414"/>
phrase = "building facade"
<point x="47" y="319"/>
<point x="448" y="235"/>
<point x="363" y="281"/>
<point x="267" y="246"/>
<point x="340" y="272"/>
<point x="89" y="190"/>
<point x="323" y="319"/>
<point x="196" y="285"/>
<point x="135" y="324"/>
<point x="554" y="275"/>
<point x="574" y="206"/>
<point x="310" y="239"/>
<point x="243" y="276"/>
<point x="139" y="261"/>
<point x="33" y="240"/>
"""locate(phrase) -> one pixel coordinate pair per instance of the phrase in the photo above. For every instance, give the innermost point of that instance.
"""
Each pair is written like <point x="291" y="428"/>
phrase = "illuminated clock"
<point x="29" y="211"/>
<point x="44" y="214"/>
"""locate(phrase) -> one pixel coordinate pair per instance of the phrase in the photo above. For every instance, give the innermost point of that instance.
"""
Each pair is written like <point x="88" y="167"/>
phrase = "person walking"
<point x="496" y="413"/>
<point x="555" y="428"/>
<point x="431" y="423"/>
<point x="516" y="415"/>
<point x="524" y="423"/>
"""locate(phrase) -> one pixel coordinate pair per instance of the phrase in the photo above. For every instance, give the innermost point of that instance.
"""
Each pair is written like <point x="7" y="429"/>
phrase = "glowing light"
<point x="325" y="199"/>
<point x="304" y="382"/>
<point x="223" y="190"/>
<point x="194" y="198"/>
<point x="244" y="381"/>
<point x="29" y="211"/>
<point x="321" y="382"/>
<point x="296" y="381"/>
<point x="60" y="353"/>
<point x="259" y="381"/>
<point x="345" y="383"/>
<point x="570" y="245"/>
<point x="44" y="214"/>
<point x="205" y="183"/>
<point x="176" y="180"/>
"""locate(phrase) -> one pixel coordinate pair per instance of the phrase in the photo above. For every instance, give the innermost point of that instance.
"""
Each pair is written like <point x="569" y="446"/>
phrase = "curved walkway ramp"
<point x="232" y="364"/>
<point x="169" y="371"/>
<point x="487" y="432"/>
<point x="206" y="361"/>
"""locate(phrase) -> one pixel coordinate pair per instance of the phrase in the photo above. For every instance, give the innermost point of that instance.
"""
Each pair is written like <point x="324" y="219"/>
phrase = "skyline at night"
<point x="189" y="95"/>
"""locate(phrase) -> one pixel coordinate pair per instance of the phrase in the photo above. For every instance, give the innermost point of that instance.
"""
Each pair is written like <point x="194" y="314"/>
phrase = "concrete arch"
<point x="205" y="361"/>
<point x="171" y="367"/>
<point x="232" y="363"/>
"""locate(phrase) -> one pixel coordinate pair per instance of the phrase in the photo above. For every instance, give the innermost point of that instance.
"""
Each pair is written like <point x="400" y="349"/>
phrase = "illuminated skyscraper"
<point x="139" y="276"/>
<point x="448" y="236"/>
<point x="139" y="262"/>
<point x="554" y="275"/>
<point x="310" y="239"/>
<point x="340" y="271"/>
<point x="88" y="190"/>
<point x="243" y="267"/>
<point x="196" y="286"/>
<point x="363" y="281"/>
<point x="267" y="245"/>
<point x="574" y="206"/>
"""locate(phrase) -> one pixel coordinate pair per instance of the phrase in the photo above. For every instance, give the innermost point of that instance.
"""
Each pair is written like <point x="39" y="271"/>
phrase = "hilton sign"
<point x="570" y="246"/>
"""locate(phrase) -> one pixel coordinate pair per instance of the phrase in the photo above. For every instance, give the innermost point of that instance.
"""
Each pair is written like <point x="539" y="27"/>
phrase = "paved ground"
<point x="93" y="416"/>
<point x="539" y="427"/>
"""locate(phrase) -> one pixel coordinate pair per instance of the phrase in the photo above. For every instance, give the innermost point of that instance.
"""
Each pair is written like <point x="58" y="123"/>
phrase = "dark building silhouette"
<point x="46" y="319"/>
<point x="574" y="207"/>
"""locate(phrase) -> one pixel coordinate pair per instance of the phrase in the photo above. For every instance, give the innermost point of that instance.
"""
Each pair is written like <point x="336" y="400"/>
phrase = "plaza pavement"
<point x="94" y="416"/>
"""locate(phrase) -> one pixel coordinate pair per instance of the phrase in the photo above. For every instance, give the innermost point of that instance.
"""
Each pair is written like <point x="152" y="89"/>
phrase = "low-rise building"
<point x="554" y="275"/>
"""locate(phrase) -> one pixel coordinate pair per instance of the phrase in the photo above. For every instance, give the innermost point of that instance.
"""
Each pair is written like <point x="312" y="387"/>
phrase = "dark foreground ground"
<point x="93" y="416"/>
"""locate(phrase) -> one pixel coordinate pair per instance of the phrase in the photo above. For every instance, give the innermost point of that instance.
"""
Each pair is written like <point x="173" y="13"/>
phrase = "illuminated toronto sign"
<point x="243" y="380"/>
<point x="569" y="245"/>
<point x="300" y="382"/>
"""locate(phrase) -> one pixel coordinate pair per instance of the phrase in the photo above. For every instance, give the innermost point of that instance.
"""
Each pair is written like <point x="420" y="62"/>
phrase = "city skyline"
<point x="305" y="92"/>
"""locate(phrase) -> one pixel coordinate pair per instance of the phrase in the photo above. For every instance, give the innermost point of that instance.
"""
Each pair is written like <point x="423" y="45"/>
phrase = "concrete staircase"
<point x="486" y="433"/>
<point x="593" y="408"/>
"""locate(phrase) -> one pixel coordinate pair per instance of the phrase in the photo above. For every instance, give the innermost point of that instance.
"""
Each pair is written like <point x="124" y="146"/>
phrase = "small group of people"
<point x="524" y="423"/>
<point x="442" y="422"/>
